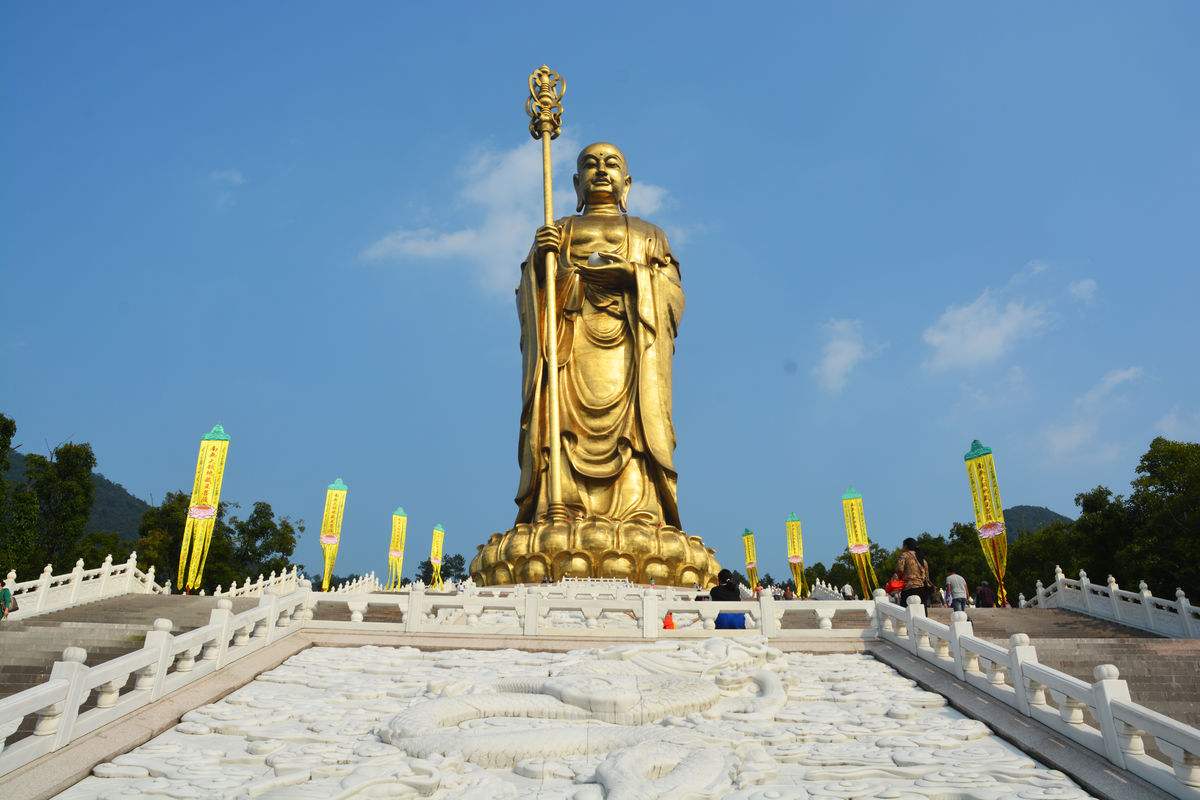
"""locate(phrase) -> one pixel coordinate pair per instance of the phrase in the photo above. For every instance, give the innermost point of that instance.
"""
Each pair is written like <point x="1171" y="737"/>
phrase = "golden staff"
<point x="544" y="107"/>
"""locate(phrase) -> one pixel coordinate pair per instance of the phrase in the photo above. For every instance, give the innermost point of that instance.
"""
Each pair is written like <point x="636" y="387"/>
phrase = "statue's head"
<point x="601" y="176"/>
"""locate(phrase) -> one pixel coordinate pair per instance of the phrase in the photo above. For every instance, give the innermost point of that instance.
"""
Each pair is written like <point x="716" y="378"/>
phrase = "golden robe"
<point x="615" y="348"/>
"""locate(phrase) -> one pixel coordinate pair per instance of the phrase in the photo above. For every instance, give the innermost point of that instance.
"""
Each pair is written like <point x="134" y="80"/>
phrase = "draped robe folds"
<point x="615" y="348"/>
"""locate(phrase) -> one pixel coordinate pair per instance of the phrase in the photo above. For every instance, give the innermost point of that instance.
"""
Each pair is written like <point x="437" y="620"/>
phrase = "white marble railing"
<point x="569" y="609"/>
<point x="50" y="592"/>
<point x="1177" y="618"/>
<point x="1099" y="715"/>
<point x="284" y="583"/>
<point x="78" y="699"/>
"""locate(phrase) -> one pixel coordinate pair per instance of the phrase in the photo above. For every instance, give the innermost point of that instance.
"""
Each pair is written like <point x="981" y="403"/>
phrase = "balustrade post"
<point x="149" y="587"/>
<point x="130" y="573"/>
<point x="915" y="609"/>
<point x="1021" y="600"/>
<point x="268" y="600"/>
<point x="76" y="581"/>
<point x="1109" y="687"/>
<point x="357" y="609"/>
<point x="105" y="569"/>
<point x="879" y="596"/>
<point x="651" y="622"/>
<point x="72" y="670"/>
<point x="959" y="626"/>
<point x="1185" y="615"/>
<point x="1085" y="591"/>
<point x="43" y="587"/>
<point x="1147" y="604"/>
<point x="533" y="613"/>
<point x="1114" y="599"/>
<point x="770" y="626"/>
<point x="167" y="587"/>
<point x="1040" y="595"/>
<point x="1020" y="653"/>
<point x="1060" y="583"/>
<point x="220" y="617"/>
<point x="159" y="638"/>
<point x="414" y="619"/>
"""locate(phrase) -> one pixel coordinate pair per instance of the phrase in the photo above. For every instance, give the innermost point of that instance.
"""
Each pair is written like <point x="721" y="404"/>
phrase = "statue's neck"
<point x="602" y="208"/>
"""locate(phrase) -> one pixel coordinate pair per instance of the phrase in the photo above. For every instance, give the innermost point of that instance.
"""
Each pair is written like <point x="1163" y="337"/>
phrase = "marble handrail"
<point x="166" y="662"/>
<point x="1177" y="618"/>
<point x="50" y="592"/>
<point x="1099" y="715"/>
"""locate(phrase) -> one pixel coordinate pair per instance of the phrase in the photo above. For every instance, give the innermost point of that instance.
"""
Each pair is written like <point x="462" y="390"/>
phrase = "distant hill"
<point x="114" y="508"/>
<point x="1027" y="519"/>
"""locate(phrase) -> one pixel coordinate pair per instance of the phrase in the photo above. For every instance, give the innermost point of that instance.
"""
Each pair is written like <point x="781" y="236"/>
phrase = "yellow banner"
<point x="795" y="546"/>
<point x="396" y="548"/>
<point x="435" y="556"/>
<point x="751" y="557"/>
<point x="202" y="508"/>
<point x="857" y="541"/>
<point x="331" y="526"/>
<point x="989" y="513"/>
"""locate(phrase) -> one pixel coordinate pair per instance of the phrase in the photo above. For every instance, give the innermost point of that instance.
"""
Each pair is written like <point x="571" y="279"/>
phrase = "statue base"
<point x="594" y="547"/>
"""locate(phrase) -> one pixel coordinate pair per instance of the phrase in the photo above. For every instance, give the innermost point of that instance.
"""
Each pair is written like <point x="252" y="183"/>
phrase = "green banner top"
<point x="792" y="517"/>
<point x="439" y="527"/>
<point x="399" y="512"/>
<point x="977" y="450"/>
<point x="217" y="434"/>
<point x="339" y="486"/>
<point x="852" y="494"/>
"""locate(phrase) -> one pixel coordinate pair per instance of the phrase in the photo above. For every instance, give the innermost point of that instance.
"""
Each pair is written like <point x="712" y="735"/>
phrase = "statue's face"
<point x="601" y="176"/>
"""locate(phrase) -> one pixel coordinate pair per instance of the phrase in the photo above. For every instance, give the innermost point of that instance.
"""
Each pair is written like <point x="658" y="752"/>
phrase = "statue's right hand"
<point x="547" y="238"/>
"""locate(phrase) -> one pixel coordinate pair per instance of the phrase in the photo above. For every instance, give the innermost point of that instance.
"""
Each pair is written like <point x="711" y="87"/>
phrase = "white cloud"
<point x="1079" y="436"/>
<point x="1179" y="425"/>
<point x="227" y="177"/>
<point x="504" y="190"/>
<point x="982" y="331"/>
<point x="1013" y="387"/>
<point x="1083" y="291"/>
<point x="844" y="349"/>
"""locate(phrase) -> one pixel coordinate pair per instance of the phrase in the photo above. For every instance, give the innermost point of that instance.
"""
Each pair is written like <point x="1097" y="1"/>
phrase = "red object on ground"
<point x="668" y="622"/>
<point x="893" y="586"/>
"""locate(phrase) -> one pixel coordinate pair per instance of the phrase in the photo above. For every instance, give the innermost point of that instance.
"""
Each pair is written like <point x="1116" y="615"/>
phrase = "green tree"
<point x="1164" y="513"/>
<point x="95" y="546"/>
<point x="263" y="544"/>
<point x="64" y="489"/>
<point x="20" y="545"/>
<point x="454" y="567"/>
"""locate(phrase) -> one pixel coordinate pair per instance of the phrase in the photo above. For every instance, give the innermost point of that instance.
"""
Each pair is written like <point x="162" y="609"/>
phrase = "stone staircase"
<point x="1163" y="674"/>
<point x="106" y="629"/>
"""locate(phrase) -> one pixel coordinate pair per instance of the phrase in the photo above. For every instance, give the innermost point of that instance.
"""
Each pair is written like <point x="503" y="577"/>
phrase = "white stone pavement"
<point x="715" y="718"/>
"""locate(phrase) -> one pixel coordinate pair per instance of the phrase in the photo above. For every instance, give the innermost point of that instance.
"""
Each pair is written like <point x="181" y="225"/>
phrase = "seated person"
<point x="726" y="590"/>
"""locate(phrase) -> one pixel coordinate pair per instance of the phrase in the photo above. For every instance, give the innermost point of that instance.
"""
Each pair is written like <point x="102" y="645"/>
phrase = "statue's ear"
<point x="579" y="198"/>
<point x="623" y="200"/>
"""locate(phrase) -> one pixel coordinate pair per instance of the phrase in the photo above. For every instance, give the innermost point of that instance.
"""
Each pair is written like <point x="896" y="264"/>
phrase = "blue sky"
<point x="304" y="222"/>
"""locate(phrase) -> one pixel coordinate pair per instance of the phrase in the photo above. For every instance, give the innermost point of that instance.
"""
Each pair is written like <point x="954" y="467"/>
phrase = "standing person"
<point x="6" y="600"/>
<point x="984" y="596"/>
<point x="912" y="570"/>
<point x="928" y="586"/>
<point x="956" y="585"/>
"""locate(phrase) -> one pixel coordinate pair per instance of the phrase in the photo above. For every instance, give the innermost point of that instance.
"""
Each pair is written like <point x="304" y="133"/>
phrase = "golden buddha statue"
<point x="618" y="301"/>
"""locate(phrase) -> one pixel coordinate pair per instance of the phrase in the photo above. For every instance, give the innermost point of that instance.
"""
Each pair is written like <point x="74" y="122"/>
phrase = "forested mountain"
<point x="114" y="508"/>
<point x="1019" y="520"/>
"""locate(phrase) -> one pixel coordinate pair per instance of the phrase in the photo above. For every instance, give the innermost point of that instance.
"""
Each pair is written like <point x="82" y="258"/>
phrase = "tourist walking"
<point x="6" y="598"/>
<point x="914" y="572"/>
<point x="956" y="587"/>
<point x="984" y="596"/>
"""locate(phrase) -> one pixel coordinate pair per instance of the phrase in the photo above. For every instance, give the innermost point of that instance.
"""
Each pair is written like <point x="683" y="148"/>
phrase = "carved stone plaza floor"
<point x="680" y="719"/>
